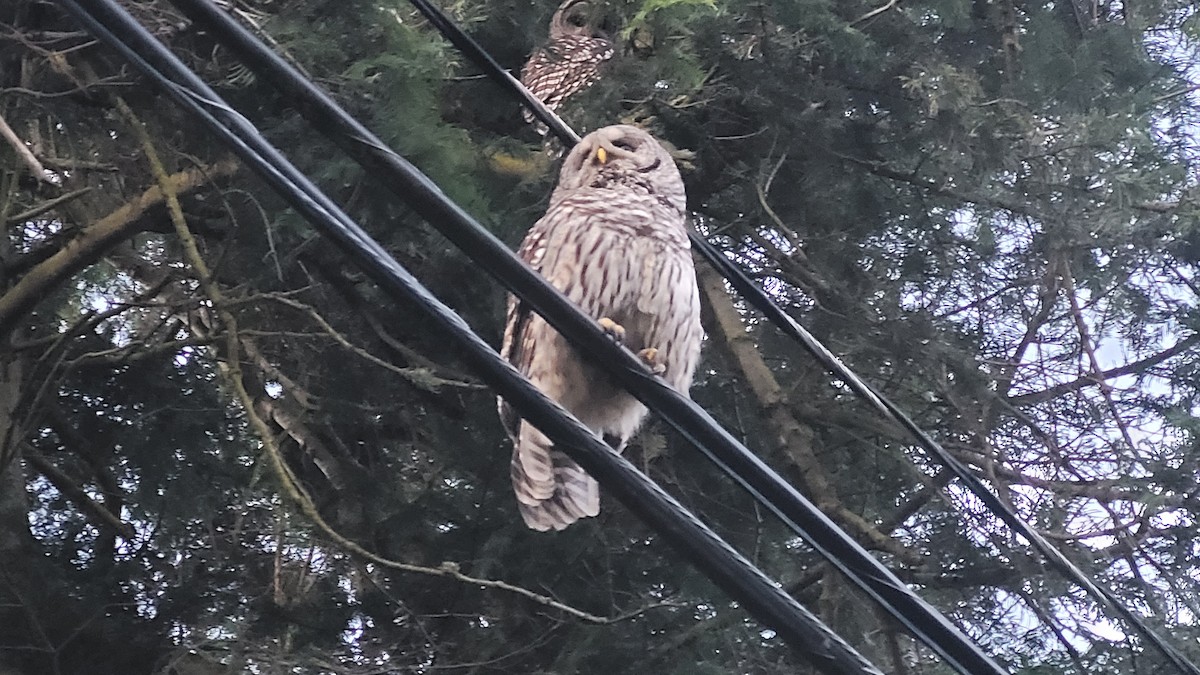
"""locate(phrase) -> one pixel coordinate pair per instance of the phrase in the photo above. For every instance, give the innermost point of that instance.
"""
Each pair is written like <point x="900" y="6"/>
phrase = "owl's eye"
<point x="625" y="145"/>
<point x="577" y="21"/>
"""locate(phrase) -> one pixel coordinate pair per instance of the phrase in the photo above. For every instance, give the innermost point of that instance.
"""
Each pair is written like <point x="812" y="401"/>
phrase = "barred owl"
<point x="614" y="241"/>
<point x="570" y="61"/>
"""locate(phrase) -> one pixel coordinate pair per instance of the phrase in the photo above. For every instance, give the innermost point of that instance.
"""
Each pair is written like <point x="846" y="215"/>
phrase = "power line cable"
<point x="796" y="511"/>
<point x="752" y="293"/>
<point x="728" y="569"/>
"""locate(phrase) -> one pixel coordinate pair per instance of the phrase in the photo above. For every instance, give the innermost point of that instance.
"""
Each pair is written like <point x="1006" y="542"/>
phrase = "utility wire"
<point x="775" y="494"/>
<point x="728" y="569"/>
<point x="752" y="293"/>
<point x="467" y="45"/>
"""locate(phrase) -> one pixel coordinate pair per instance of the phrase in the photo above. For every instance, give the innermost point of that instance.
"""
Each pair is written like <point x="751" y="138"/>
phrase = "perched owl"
<point x="613" y="241"/>
<point x="570" y="60"/>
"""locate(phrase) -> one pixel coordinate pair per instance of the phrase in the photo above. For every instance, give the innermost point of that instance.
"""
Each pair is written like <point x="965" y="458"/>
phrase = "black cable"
<point x="796" y="511"/>
<point x="727" y="568"/>
<point x="790" y="327"/>
<point x="467" y="45"/>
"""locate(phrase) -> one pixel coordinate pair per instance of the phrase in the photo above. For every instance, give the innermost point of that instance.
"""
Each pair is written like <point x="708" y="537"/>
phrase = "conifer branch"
<point x="74" y="492"/>
<point x="422" y="378"/>
<point x="793" y="437"/>
<point x="94" y="240"/>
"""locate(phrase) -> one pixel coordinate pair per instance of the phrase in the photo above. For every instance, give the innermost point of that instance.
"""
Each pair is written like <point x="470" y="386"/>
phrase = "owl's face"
<point x="623" y="157"/>
<point x="577" y="17"/>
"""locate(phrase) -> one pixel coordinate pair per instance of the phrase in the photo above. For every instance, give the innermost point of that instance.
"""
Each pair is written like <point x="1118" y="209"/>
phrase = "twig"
<point x="1051" y="621"/>
<point x="421" y="377"/>
<point x="1095" y="378"/>
<point x="875" y="12"/>
<point x="762" y="191"/>
<point x="46" y="205"/>
<point x="1094" y="370"/>
<point x="35" y="167"/>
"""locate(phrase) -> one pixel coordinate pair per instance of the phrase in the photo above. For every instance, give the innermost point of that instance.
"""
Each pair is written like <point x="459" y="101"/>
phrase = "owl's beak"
<point x="605" y="150"/>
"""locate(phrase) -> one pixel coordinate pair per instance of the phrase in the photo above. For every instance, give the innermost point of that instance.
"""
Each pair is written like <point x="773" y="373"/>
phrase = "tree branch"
<point x="1133" y="368"/>
<point x="35" y="167"/>
<point x="46" y="206"/>
<point x="875" y="12"/>
<point x="71" y="490"/>
<point x="422" y="378"/>
<point x="793" y="438"/>
<point x="94" y="240"/>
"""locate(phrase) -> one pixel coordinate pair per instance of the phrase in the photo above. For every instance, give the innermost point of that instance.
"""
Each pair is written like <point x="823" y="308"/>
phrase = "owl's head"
<point x="578" y="17"/>
<point x="623" y="157"/>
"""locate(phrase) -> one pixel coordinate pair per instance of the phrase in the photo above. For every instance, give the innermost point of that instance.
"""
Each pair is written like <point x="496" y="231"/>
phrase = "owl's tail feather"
<point x="552" y="490"/>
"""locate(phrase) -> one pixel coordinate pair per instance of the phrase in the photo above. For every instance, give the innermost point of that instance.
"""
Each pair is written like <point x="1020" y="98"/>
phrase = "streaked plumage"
<point x="570" y="60"/>
<point x="614" y="241"/>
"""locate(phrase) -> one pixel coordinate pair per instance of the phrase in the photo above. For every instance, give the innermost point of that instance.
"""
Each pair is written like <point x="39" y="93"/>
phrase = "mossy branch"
<point x="94" y="240"/>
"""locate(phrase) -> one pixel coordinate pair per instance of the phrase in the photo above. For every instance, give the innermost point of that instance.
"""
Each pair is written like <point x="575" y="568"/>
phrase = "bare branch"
<point x="71" y="490"/>
<point x="46" y="205"/>
<point x="875" y="12"/>
<point x="420" y="377"/>
<point x="94" y="240"/>
<point x="35" y="167"/>
<point x="1093" y="379"/>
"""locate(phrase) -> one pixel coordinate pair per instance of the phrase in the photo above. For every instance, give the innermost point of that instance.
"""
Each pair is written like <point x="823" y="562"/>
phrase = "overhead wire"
<point x="728" y="569"/>
<point x="761" y="301"/>
<point x="767" y="487"/>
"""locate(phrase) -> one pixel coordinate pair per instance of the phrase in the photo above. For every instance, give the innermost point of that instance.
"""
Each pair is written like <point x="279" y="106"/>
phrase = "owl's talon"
<point x="615" y="330"/>
<point x="650" y="356"/>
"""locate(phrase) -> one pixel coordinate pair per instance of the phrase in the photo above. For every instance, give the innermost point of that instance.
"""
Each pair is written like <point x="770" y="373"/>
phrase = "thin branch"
<point x="1051" y="621"/>
<point x="1096" y="378"/>
<point x="135" y="352"/>
<point x="421" y="377"/>
<point x="94" y="240"/>
<point x="35" y="167"/>
<point x="46" y="205"/>
<point x="875" y="12"/>
<point x="71" y="490"/>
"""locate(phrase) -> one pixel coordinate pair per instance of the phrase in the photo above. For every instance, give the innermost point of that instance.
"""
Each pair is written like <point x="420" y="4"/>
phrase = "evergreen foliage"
<point x="987" y="208"/>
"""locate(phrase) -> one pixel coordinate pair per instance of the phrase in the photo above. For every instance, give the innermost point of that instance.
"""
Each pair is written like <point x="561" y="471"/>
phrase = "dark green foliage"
<point x="967" y="220"/>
